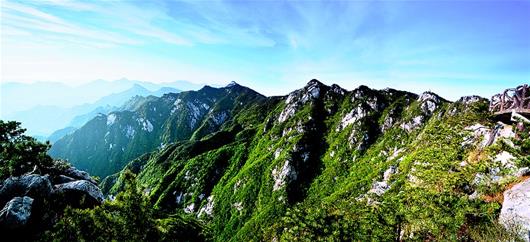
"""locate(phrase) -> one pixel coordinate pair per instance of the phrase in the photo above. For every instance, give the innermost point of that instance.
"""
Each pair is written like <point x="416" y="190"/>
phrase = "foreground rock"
<point x="77" y="190"/>
<point x="35" y="186"/>
<point x="32" y="202"/>
<point x="16" y="213"/>
<point x="515" y="213"/>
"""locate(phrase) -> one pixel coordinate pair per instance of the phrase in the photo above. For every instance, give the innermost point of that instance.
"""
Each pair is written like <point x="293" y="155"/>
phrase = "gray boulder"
<point x="35" y="186"/>
<point x="16" y="213"/>
<point x="515" y="212"/>
<point x="74" y="190"/>
<point x="79" y="175"/>
<point x="63" y="179"/>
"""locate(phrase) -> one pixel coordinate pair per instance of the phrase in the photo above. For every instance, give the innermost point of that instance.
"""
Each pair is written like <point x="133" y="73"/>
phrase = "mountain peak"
<point x="232" y="84"/>
<point x="314" y="82"/>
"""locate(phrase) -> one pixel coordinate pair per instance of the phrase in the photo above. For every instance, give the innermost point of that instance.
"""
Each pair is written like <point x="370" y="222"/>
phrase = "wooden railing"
<point x="512" y="99"/>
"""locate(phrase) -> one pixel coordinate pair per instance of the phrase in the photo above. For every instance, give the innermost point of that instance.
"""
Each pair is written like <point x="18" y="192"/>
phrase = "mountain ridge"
<point x="153" y="122"/>
<point x="320" y="161"/>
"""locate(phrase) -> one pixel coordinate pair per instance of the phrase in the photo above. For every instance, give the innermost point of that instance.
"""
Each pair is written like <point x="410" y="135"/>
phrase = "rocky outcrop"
<point x="79" y="175"/>
<point x="282" y="175"/>
<point x="35" y="186"/>
<point x="429" y="102"/>
<point x="16" y="213"/>
<point x="380" y="187"/>
<point x="516" y="209"/>
<point x="32" y="202"/>
<point x="80" y="188"/>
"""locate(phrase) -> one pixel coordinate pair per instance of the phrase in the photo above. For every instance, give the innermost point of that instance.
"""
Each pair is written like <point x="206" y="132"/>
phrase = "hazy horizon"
<point x="485" y="94"/>
<point x="448" y="47"/>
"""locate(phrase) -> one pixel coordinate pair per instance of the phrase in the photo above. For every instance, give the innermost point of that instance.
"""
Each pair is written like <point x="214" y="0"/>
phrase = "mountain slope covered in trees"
<point x="108" y="142"/>
<point x="321" y="163"/>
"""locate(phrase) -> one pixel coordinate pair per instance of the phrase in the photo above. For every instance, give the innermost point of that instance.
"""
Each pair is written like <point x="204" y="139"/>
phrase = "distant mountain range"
<point x="45" y="107"/>
<point x="107" y="142"/>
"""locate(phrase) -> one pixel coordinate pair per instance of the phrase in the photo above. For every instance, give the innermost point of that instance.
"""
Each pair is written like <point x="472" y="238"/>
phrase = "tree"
<point x="20" y="153"/>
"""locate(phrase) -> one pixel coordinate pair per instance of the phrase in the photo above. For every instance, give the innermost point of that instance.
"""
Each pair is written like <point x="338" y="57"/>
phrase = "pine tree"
<point x="20" y="153"/>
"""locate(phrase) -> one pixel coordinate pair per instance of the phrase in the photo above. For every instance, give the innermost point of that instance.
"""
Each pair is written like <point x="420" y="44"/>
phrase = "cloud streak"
<point x="281" y="43"/>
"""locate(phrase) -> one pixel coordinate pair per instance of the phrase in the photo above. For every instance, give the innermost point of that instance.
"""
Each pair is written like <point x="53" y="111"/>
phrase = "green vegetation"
<point x="129" y="217"/>
<point x="20" y="153"/>
<point x="322" y="164"/>
<point x="107" y="143"/>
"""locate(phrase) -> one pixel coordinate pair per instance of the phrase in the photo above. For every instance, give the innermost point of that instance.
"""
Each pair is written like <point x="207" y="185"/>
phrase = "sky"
<point x="453" y="48"/>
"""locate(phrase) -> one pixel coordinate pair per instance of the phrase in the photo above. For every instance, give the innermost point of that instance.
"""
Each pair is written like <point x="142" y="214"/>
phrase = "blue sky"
<point x="453" y="48"/>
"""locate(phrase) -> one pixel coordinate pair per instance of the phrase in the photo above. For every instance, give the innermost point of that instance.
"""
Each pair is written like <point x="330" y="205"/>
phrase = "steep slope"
<point x="327" y="163"/>
<point x="60" y="133"/>
<point x="108" y="142"/>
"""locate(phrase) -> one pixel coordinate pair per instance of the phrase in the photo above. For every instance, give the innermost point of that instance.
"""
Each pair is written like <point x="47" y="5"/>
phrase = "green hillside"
<point x="107" y="143"/>
<point x="324" y="163"/>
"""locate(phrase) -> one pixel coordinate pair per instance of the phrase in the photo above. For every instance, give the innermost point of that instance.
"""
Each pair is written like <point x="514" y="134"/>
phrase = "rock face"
<point x="81" y="187"/>
<point x="16" y="213"/>
<point x="79" y="175"/>
<point x="516" y="208"/>
<point x="26" y="185"/>
<point x="31" y="202"/>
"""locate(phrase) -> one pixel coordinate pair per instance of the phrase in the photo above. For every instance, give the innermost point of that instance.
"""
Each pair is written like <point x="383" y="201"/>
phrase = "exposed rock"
<point x="473" y="195"/>
<point x="80" y="175"/>
<point x="277" y="153"/>
<point x="389" y="172"/>
<point x="352" y="117"/>
<point x="282" y="175"/>
<point x="479" y="177"/>
<point x="479" y="133"/>
<point x="466" y="100"/>
<point x="63" y="179"/>
<point x="506" y="159"/>
<point x="208" y="208"/>
<point x="360" y="92"/>
<point x="380" y="187"/>
<point x="190" y="208"/>
<point x="289" y="110"/>
<point x="16" y="213"/>
<point x="388" y="123"/>
<point x="488" y="136"/>
<point x="313" y="90"/>
<point x="429" y="102"/>
<point x="220" y="118"/>
<point x="82" y="187"/>
<point x="516" y="208"/>
<point x="413" y="124"/>
<point x="337" y="89"/>
<point x="33" y="185"/>
<point x="506" y="131"/>
<point x="179" y="198"/>
<point x="395" y="154"/>
<point x="111" y="119"/>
